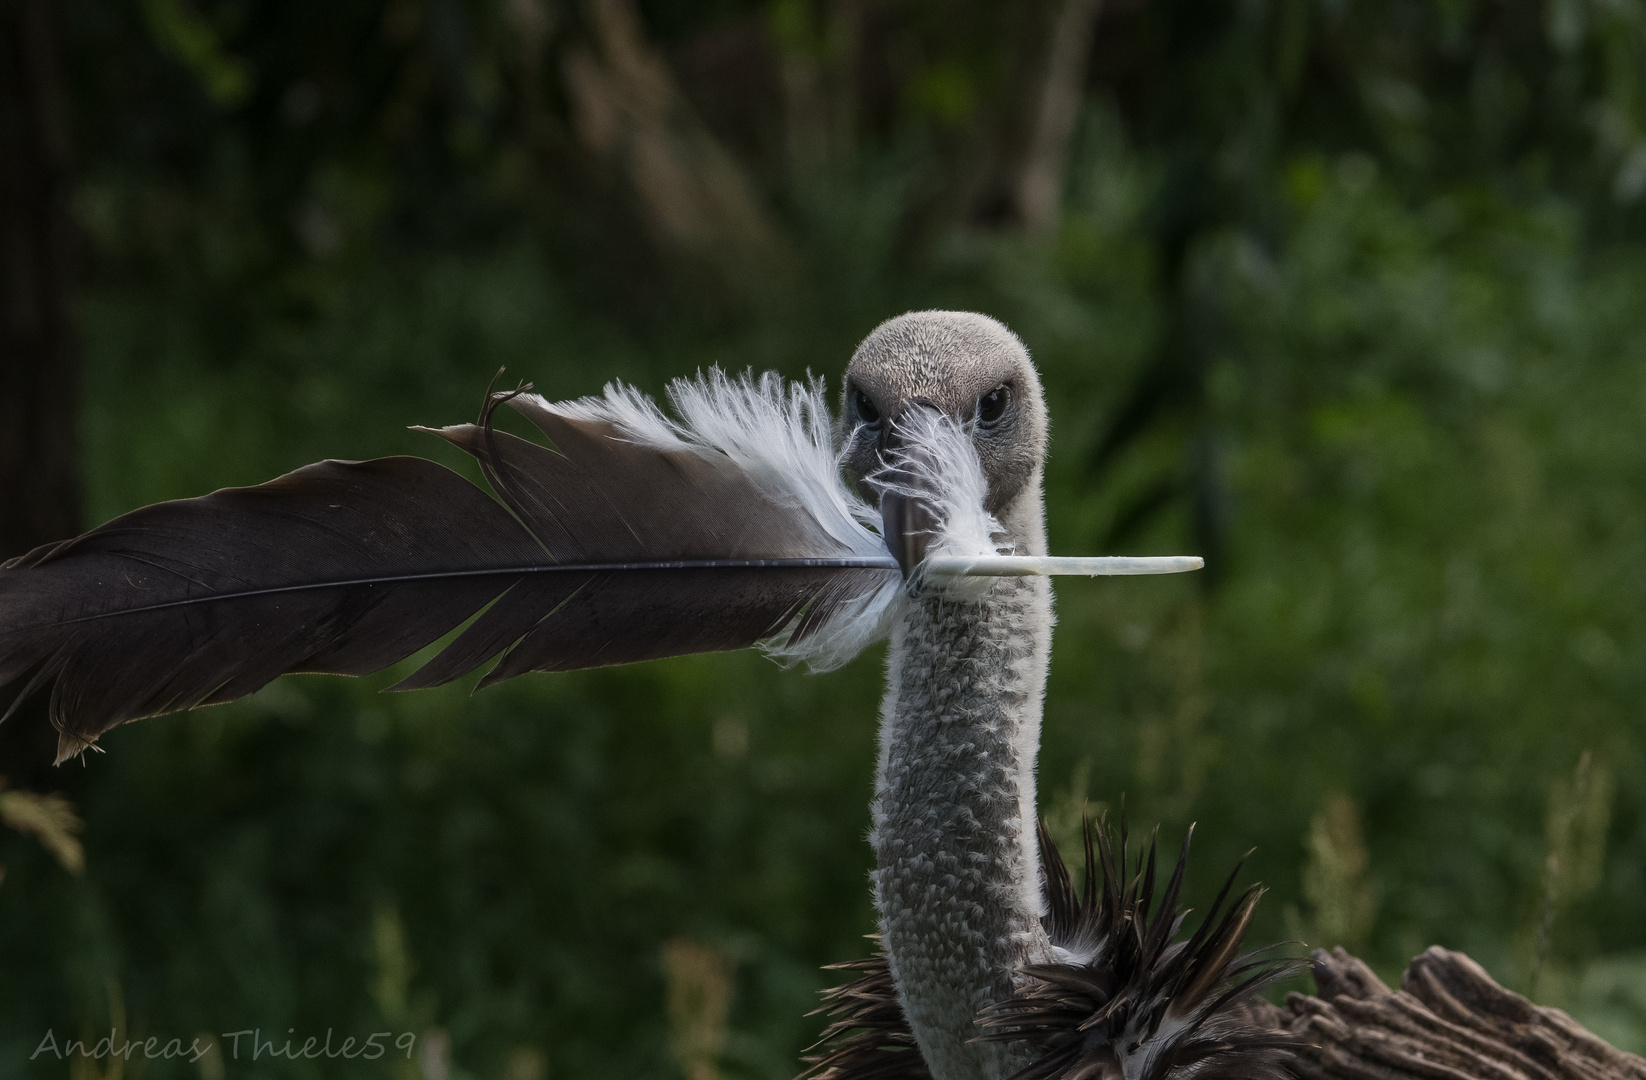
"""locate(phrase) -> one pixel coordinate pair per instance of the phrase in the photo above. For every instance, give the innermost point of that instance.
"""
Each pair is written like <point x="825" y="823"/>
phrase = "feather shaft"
<point x="526" y="570"/>
<point x="1060" y="565"/>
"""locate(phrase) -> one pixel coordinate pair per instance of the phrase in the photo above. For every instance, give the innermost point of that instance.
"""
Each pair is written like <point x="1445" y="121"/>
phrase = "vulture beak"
<point x="908" y="518"/>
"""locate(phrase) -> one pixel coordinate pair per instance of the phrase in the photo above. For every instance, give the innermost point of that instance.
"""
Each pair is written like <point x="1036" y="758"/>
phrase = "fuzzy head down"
<point x="966" y="366"/>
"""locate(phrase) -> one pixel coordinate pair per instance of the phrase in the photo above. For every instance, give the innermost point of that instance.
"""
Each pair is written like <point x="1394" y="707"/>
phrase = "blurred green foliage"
<point x="1345" y="294"/>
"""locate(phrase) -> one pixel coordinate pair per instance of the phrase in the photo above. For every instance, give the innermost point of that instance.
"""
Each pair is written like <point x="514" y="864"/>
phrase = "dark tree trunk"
<point x="1448" y="1021"/>
<point x="1037" y="190"/>
<point x="39" y="364"/>
<point x="39" y="384"/>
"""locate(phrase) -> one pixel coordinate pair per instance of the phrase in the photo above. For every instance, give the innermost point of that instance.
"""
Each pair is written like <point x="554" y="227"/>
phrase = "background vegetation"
<point x="1345" y="294"/>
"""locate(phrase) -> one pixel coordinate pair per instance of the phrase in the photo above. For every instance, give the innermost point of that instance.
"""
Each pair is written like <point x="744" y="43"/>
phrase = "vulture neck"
<point x="957" y="882"/>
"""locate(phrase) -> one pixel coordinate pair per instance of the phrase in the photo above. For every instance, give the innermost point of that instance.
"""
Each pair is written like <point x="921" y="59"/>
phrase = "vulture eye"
<point x="992" y="406"/>
<point x="866" y="411"/>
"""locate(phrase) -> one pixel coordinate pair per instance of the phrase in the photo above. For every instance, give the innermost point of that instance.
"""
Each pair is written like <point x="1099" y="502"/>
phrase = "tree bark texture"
<point x="1448" y="1021"/>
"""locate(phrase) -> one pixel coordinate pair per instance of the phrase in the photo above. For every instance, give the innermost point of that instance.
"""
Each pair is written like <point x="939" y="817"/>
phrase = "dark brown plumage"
<point x="869" y="1037"/>
<point x="1131" y="1002"/>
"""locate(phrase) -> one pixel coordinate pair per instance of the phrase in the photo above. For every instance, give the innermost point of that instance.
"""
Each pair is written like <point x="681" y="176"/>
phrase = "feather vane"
<point x="626" y="536"/>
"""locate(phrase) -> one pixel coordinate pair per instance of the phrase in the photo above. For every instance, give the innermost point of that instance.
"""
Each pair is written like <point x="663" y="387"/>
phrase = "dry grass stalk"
<point x="51" y="820"/>
<point x="699" y="988"/>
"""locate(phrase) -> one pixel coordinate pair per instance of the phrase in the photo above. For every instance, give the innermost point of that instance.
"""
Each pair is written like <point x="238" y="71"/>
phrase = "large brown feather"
<point x="606" y="552"/>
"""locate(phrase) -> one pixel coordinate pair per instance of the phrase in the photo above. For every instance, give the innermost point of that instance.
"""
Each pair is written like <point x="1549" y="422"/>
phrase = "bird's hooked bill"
<point x="912" y="483"/>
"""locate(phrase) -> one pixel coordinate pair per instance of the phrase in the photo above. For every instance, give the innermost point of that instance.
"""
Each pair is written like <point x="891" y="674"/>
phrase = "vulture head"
<point x="958" y="370"/>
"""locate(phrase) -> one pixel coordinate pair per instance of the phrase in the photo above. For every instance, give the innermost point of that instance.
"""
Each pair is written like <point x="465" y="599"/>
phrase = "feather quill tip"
<point x="1060" y="565"/>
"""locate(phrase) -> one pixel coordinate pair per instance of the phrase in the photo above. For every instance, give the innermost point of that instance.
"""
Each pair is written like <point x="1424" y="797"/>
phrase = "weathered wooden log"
<point x="1448" y="1021"/>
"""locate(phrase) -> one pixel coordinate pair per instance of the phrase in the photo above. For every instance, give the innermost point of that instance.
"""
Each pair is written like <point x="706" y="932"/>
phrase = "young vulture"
<point x="628" y="535"/>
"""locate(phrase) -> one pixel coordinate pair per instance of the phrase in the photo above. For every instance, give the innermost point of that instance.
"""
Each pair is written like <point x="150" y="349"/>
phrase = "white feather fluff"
<point x="780" y="434"/>
<point x="936" y="462"/>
